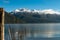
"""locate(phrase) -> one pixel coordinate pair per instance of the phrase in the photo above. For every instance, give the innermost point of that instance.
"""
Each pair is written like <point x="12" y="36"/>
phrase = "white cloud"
<point x="50" y="11"/>
<point x="47" y="11"/>
<point x="6" y="1"/>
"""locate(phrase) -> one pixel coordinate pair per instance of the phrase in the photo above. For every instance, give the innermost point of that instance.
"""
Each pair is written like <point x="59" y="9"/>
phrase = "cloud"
<point x="6" y="1"/>
<point x="50" y="11"/>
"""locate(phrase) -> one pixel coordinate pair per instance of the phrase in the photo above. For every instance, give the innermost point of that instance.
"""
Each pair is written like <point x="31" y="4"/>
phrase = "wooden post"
<point x="1" y="24"/>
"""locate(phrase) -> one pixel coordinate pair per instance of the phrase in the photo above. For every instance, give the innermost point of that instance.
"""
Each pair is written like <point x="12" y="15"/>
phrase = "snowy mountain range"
<point x="46" y="11"/>
<point x="24" y="15"/>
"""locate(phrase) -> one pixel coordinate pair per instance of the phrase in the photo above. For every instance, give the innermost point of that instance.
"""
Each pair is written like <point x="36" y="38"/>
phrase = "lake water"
<point x="43" y="31"/>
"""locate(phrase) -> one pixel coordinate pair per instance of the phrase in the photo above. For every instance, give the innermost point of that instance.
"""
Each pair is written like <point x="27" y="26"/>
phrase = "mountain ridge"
<point x="32" y="17"/>
<point x="45" y="11"/>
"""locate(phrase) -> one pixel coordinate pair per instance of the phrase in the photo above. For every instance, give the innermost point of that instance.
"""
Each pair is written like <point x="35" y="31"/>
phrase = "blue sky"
<point x="10" y="5"/>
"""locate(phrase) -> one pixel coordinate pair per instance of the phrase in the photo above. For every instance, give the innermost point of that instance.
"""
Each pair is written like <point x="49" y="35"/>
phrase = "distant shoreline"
<point x="31" y="23"/>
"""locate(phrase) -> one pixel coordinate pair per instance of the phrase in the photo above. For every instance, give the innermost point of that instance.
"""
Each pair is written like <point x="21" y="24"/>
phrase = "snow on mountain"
<point x="34" y="10"/>
<point x="17" y="10"/>
<point x="46" y="11"/>
<point x="50" y="11"/>
<point x="22" y="10"/>
<point x="25" y="10"/>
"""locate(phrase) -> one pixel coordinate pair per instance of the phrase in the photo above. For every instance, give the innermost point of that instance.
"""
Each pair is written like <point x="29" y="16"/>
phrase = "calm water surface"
<point x="44" y="31"/>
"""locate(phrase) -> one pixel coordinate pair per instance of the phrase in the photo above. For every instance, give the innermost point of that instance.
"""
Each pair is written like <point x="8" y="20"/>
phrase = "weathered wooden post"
<point x="1" y="24"/>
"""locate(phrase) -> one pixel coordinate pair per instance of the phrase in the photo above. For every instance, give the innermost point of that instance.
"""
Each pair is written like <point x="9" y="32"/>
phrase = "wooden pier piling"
<point x="1" y="24"/>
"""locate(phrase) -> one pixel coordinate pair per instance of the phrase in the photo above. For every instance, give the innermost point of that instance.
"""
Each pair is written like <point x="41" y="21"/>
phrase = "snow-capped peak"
<point x="45" y="11"/>
<point x="34" y="10"/>
<point x="17" y="10"/>
<point x="22" y="10"/>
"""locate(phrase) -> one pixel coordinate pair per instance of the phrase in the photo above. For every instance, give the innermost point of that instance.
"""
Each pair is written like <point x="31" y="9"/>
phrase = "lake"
<point x="43" y="31"/>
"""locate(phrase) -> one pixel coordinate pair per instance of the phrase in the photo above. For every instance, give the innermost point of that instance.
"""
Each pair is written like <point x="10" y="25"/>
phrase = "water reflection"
<point x="32" y="30"/>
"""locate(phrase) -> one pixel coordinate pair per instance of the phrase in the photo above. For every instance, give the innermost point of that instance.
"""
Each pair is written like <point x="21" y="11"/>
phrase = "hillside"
<point x="27" y="16"/>
<point x="9" y="18"/>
